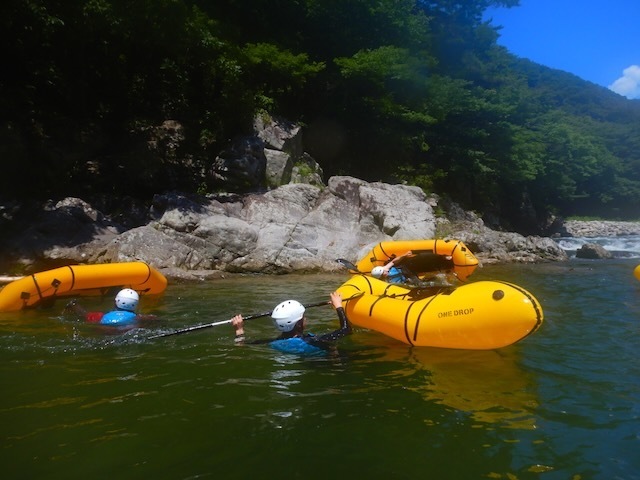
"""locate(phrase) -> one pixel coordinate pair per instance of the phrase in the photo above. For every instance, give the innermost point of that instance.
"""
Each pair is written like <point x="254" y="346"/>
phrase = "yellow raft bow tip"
<point x="636" y="272"/>
<point x="483" y="315"/>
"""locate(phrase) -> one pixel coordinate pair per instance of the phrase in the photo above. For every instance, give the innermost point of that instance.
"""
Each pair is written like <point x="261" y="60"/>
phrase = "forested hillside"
<point x="392" y="90"/>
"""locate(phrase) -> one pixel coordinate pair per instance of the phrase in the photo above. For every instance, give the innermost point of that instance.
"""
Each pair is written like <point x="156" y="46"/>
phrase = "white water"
<point x="624" y="246"/>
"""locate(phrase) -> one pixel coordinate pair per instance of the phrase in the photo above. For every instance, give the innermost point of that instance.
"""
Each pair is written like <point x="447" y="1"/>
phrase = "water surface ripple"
<point x="82" y="402"/>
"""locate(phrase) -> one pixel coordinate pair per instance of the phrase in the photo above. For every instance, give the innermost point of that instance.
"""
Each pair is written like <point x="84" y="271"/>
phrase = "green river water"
<point x="82" y="402"/>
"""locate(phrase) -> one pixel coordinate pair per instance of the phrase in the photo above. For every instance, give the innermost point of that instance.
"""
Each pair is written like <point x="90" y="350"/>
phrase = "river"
<point x="80" y="401"/>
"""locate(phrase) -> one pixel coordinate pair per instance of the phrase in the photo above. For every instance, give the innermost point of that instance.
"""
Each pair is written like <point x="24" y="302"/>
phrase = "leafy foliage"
<point x="407" y="90"/>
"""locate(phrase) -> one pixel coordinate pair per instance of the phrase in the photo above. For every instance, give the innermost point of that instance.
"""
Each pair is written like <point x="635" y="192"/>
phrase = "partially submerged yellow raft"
<point x="429" y="256"/>
<point x="636" y="272"/>
<point x="75" y="280"/>
<point x="482" y="315"/>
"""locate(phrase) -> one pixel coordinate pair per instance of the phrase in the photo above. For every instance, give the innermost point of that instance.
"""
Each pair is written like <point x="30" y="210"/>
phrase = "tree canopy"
<point x="393" y="90"/>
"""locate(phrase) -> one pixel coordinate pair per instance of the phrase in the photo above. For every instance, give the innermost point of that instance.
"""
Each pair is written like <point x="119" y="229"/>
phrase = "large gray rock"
<point x="279" y="167"/>
<point x="400" y="211"/>
<point x="151" y="245"/>
<point x="279" y="134"/>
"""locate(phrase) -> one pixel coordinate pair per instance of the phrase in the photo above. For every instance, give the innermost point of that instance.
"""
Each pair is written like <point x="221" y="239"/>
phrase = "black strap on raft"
<point x="25" y="296"/>
<point x="424" y="292"/>
<point x="47" y="300"/>
<point x="416" y="329"/>
<point x="35" y="282"/>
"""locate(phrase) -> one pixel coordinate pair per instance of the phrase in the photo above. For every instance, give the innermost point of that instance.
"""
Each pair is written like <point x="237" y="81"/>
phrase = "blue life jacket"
<point x="118" y="317"/>
<point x="395" y="276"/>
<point x="296" y="345"/>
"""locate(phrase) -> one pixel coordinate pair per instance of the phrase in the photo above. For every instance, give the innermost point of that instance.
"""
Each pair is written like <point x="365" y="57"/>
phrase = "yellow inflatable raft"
<point x="74" y="280"/>
<point x="482" y="315"/>
<point x="636" y="272"/>
<point x="429" y="256"/>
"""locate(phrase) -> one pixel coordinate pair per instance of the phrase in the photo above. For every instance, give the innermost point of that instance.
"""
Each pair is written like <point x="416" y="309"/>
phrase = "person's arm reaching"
<point x="395" y="260"/>
<point x="345" y="327"/>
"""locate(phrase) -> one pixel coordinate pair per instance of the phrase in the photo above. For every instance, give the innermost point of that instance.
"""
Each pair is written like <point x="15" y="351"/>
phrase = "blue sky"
<point x="597" y="40"/>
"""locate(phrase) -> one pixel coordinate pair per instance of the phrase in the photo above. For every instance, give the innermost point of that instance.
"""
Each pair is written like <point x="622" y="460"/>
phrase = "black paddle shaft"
<point x="223" y="322"/>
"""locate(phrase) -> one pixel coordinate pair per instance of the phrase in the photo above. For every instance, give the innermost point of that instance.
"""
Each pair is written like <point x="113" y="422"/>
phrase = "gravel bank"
<point x="601" y="228"/>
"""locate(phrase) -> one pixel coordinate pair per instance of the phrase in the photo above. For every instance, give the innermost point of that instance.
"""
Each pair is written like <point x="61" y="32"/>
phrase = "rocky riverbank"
<point x="292" y="228"/>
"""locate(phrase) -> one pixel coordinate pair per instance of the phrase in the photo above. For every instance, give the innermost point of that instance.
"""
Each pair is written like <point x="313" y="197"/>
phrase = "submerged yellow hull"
<point x="483" y="315"/>
<point x="445" y="255"/>
<point x="74" y="280"/>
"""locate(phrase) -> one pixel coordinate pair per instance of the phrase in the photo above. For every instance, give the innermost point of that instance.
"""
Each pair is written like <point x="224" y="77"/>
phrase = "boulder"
<point x="593" y="251"/>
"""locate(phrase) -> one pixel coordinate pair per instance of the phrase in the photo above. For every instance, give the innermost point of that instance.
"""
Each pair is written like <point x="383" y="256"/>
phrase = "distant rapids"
<point x="624" y="246"/>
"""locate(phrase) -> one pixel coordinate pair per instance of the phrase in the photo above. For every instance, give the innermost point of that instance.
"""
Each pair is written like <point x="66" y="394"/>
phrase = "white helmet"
<point x="287" y="314"/>
<point x="127" y="299"/>
<point x="377" y="272"/>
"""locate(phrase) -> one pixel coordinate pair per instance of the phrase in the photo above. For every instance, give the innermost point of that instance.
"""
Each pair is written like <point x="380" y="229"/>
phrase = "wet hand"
<point x="336" y="300"/>
<point x="238" y="324"/>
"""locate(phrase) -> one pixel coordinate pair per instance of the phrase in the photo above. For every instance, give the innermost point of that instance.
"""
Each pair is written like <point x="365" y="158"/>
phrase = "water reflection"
<point x="487" y="384"/>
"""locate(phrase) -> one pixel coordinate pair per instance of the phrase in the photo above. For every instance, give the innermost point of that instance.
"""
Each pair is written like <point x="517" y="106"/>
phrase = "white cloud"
<point x="628" y="84"/>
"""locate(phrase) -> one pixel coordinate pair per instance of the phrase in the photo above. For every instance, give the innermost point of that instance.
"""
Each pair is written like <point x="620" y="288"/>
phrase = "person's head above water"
<point x="377" y="272"/>
<point x="287" y="314"/>
<point x="127" y="299"/>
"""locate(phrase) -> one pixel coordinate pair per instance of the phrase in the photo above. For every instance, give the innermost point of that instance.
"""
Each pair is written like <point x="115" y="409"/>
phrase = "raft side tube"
<point x="483" y="315"/>
<point x="80" y="280"/>
<point x="462" y="261"/>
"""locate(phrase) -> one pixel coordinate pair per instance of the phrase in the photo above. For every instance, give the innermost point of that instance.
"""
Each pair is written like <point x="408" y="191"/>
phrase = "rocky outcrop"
<point x="292" y="228"/>
<point x="492" y="246"/>
<point x="296" y="227"/>
<point x="593" y="251"/>
<point x="272" y="156"/>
